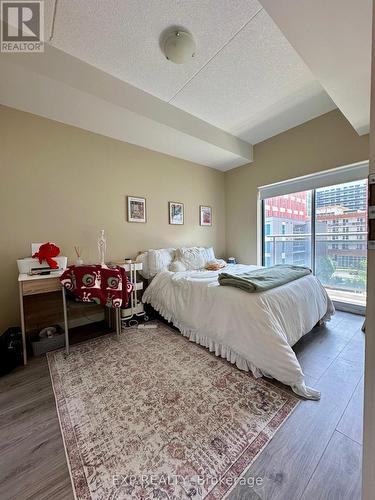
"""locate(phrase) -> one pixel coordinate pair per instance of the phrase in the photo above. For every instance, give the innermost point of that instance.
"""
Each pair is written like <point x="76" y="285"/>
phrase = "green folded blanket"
<point x="265" y="278"/>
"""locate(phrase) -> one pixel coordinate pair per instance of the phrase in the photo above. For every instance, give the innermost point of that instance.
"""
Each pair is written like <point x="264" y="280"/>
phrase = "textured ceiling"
<point x="246" y="78"/>
<point x="251" y="79"/>
<point x="122" y="37"/>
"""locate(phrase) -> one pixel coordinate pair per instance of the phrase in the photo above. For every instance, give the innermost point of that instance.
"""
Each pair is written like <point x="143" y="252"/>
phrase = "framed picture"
<point x="136" y="209"/>
<point x="176" y="212"/>
<point x="205" y="215"/>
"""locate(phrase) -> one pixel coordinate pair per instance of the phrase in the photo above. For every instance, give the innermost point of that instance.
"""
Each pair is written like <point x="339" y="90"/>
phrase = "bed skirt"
<point x="227" y="353"/>
<point x="218" y="349"/>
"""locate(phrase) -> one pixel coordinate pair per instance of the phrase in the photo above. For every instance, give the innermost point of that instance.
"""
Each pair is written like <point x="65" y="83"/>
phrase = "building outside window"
<point x="337" y="248"/>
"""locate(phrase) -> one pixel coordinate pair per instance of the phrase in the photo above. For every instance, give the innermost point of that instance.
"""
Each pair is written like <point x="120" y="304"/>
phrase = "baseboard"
<point x="350" y="308"/>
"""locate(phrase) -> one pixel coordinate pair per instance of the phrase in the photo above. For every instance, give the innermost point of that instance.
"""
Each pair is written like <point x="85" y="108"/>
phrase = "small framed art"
<point x="205" y="215"/>
<point x="176" y="212"/>
<point x="136" y="209"/>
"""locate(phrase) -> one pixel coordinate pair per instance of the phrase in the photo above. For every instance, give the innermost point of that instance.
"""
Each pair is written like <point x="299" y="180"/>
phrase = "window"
<point x="287" y="238"/>
<point x="323" y="229"/>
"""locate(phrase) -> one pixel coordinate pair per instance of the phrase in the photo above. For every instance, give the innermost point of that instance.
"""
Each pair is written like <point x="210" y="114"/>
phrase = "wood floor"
<point x="316" y="454"/>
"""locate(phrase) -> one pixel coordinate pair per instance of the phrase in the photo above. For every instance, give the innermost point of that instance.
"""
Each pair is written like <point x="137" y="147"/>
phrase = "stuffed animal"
<point x="46" y="252"/>
<point x="215" y="265"/>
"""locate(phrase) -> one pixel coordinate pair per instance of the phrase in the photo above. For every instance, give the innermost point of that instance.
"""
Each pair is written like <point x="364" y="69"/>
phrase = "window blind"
<point x="330" y="177"/>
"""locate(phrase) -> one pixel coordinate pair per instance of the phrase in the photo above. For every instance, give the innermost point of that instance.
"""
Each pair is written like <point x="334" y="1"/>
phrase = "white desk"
<point x="33" y="285"/>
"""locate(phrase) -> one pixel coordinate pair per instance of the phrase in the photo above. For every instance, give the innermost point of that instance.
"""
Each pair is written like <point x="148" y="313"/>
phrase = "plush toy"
<point x="46" y="252"/>
<point x="215" y="265"/>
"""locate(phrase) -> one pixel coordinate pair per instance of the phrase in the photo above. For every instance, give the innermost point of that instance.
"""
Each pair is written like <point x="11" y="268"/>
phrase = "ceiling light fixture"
<point x="179" y="46"/>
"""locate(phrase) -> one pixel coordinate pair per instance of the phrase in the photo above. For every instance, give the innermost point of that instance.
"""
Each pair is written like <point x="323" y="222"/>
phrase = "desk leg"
<point x="65" y="322"/>
<point x="23" y="325"/>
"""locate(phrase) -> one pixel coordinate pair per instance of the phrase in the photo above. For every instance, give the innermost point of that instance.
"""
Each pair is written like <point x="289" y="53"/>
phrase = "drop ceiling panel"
<point x="122" y="37"/>
<point x="250" y="79"/>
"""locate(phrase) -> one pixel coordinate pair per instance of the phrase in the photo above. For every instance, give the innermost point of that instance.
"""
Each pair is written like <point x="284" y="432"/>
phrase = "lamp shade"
<point x="179" y="47"/>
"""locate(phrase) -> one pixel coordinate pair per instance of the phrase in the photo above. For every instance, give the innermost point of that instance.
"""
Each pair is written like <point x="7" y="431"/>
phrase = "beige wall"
<point x="323" y="143"/>
<point x="63" y="184"/>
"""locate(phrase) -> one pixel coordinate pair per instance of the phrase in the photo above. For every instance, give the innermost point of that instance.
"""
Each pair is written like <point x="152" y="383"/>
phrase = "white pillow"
<point x="159" y="260"/>
<point x="192" y="257"/>
<point x="177" y="266"/>
<point x="143" y="259"/>
<point x="208" y="254"/>
<point x="155" y="261"/>
<point x="221" y="262"/>
<point x="189" y="258"/>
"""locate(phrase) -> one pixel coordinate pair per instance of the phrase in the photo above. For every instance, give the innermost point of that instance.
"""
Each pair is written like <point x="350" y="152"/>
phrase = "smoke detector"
<point x="179" y="46"/>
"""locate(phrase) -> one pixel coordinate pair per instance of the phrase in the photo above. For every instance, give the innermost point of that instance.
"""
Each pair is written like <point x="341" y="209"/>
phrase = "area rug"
<point x="154" y="416"/>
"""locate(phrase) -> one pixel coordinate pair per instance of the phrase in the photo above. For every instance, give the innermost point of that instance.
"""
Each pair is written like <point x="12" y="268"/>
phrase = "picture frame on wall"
<point x="176" y="212"/>
<point x="205" y="215"/>
<point x="136" y="209"/>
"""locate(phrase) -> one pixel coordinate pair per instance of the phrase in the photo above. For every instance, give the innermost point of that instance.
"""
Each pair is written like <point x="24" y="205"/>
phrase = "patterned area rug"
<point x="153" y="416"/>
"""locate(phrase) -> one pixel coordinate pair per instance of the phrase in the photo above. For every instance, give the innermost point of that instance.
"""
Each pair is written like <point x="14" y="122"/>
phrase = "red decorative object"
<point x="46" y="252"/>
<point x="103" y="284"/>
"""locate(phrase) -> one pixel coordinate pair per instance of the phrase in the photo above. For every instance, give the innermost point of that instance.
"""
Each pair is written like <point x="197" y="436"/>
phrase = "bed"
<point x="254" y="331"/>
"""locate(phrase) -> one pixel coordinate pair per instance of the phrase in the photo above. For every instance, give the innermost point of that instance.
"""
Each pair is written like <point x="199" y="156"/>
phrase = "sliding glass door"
<point x="324" y="229"/>
<point x="341" y="240"/>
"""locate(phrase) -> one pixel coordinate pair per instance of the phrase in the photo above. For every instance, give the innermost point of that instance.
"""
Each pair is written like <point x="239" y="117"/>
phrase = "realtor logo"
<point x="22" y="26"/>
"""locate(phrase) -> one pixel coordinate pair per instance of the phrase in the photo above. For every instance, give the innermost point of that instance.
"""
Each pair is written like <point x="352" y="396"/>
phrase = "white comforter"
<point x="253" y="330"/>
